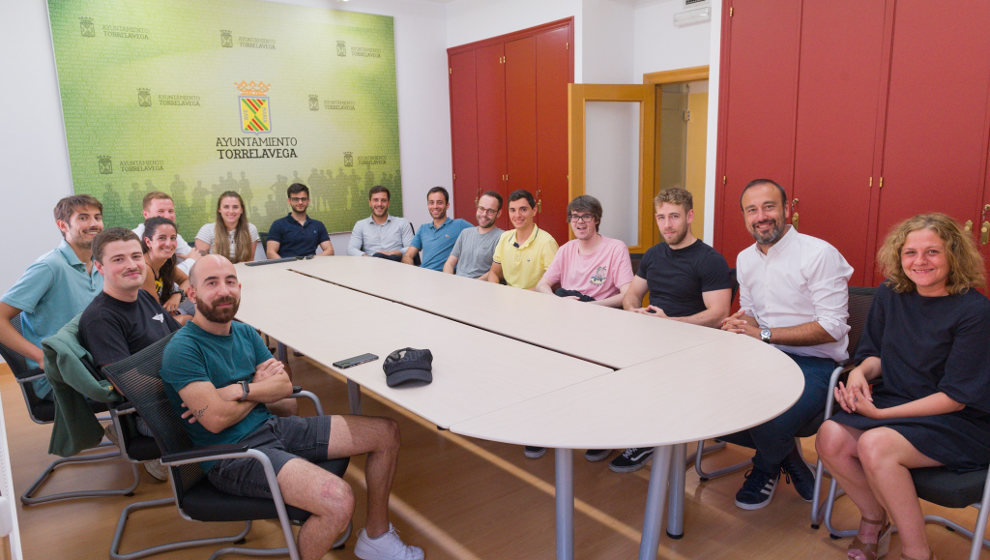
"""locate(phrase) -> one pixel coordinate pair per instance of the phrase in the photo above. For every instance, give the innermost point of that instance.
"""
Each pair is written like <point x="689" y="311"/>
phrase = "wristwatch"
<point x="764" y="336"/>
<point x="246" y="387"/>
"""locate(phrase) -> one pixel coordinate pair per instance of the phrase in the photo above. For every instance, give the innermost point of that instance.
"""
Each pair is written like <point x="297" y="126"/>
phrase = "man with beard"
<point x="472" y="253"/>
<point x="436" y="239"/>
<point x="381" y="235"/>
<point x="219" y="375"/>
<point x="793" y="293"/>
<point x="57" y="286"/>
<point x="297" y="235"/>
<point x="687" y="281"/>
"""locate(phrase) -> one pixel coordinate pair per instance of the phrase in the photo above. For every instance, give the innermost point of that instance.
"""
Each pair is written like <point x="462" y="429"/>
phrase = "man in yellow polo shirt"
<point x="522" y="254"/>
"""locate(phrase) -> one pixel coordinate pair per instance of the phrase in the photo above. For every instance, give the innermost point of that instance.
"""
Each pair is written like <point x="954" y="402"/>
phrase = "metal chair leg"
<point x="30" y="497"/>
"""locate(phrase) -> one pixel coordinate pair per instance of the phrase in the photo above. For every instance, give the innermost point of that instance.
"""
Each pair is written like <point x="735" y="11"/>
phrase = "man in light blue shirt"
<point x="436" y="239"/>
<point x="380" y="235"/>
<point x="57" y="286"/>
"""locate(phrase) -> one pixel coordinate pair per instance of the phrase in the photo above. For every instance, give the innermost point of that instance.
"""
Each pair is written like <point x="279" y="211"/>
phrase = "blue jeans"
<point x="774" y="439"/>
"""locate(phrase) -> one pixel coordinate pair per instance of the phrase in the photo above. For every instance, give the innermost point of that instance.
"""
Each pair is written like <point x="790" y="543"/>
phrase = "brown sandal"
<point x="872" y="551"/>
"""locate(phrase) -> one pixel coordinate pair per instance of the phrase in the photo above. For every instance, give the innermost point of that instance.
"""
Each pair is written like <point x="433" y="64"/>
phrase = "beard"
<point x="677" y="238"/>
<point x="214" y="315"/>
<point x="770" y="237"/>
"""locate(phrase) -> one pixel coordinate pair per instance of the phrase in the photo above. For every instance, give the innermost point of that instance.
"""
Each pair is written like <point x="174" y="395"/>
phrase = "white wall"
<point x="34" y="167"/>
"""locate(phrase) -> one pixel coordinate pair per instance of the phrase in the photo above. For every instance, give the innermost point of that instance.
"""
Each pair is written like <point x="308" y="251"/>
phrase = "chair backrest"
<point x="40" y="410"/>
<point x="860" y="300"/>
<point x="138" y="379"/>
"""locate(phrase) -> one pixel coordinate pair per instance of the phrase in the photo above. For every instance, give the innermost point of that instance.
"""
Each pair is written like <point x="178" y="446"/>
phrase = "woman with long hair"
<point x="925" y="351"/>
<point x="159" y="241"/>
<point x="231" y="235"/>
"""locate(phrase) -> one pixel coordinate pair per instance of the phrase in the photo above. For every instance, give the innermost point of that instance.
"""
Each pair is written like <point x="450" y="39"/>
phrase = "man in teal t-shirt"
<point x="220" y="376"/>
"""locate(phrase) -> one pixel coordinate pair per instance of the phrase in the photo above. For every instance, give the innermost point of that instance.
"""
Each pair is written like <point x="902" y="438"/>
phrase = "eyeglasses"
<point x="488" y="211"/>
<point x="585" y="218"/>
<point x="299" y="198"/>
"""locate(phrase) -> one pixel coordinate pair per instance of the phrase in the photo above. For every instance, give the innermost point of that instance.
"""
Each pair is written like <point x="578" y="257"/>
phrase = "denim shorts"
<point x="281" y="439"/>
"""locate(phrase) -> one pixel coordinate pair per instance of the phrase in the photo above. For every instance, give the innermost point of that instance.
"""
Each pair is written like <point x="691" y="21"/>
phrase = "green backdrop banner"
<point x="199" y="97"/>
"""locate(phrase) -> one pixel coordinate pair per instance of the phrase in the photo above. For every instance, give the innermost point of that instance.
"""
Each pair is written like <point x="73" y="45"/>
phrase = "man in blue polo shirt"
<point x="436" y="239"/>
<point x="57" y="286"/>
<point x="297" y="235"/>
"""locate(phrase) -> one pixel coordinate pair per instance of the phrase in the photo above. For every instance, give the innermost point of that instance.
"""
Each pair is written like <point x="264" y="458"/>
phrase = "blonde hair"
<point x="242" y="234"/>
<point x="965" y="262"/>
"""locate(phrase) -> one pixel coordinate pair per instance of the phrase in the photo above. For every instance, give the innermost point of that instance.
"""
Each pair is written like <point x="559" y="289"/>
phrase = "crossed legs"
<point x="328" y="497"/>
<point x="872" y="467"/>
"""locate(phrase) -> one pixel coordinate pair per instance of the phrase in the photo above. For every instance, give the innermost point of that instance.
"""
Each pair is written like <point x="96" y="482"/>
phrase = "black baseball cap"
<point x="408" y="364"/>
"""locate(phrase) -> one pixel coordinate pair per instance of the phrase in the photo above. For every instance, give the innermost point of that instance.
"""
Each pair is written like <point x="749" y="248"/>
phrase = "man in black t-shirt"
<point x="687" y="281"/>
<point x="123" y="318"/>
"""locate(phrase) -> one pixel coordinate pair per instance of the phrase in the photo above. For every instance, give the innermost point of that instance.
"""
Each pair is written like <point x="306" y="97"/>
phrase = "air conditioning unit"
<point x="695" y="11"/>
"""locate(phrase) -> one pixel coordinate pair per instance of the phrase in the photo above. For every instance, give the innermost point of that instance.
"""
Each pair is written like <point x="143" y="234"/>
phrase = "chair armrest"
<point x="29" y="376"/>
<point x="300" y="393"/>
<point x="209" y="453"/>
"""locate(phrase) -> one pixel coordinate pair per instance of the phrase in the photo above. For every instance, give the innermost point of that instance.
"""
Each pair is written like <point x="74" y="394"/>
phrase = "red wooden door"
<point x="758" y="105"/>
<point x="491" y="121"/>
<point x="839" y="91"/>
<point x="554" y="70"/>
<point x="520" y="116"/>
<point x="464" y="132"/>
<point x="935" y="143"/>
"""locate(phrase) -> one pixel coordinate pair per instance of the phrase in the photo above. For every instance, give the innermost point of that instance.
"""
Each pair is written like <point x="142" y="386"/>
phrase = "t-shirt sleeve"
<point x="31" y="287"/>
<point x="967" y="368"/>
<point x="497" y="255"/>
<point x="206" y="233"/>
<point x="622" y="265"/>
<point x="275" y="232"/>
<point x="261" y="352"/>
<point x="104" y="336"/>
<point x="183" y="364"/>
<point x="645" y="263"/>
<point x="458" y="244"/>
<point x="417" y="240"/>
<point x="548" y="251"/>
<point x="253" y="231"/>
<point x="871" y="339"/>
<point x="554" y="271"/>
<point x="715" y="275"/>
<point x="321" y="233"/>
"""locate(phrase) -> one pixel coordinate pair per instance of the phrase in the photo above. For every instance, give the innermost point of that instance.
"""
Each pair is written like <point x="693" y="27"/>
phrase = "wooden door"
<point x="839" y="92"/>
<point x="520" y="116"/>
<point x="935" y="143"/>
<point x="757" y="107"/>
<point x="464" y="132"/>
<point x="492" y="171"/>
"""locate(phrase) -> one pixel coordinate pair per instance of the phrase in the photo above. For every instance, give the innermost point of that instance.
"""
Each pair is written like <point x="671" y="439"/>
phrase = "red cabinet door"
<point x="520" y="117"/>
<point x="491" y="121"/>
<point x="554" y="70"/>
<point x="757" y="107"/>
<point x="838" y="96"/>
<point x="935" y="143"/>
<point x="464" y="132"/>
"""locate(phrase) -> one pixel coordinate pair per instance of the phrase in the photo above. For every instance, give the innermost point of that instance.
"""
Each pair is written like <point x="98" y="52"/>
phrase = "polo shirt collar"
<point x="291" y="219"/>
<point x="532" y="237"/>
<point x="447" y="220"/>
<point x="70" y="256"/>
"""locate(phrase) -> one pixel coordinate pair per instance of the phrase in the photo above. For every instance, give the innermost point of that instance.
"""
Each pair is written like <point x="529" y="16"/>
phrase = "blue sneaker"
<point x="758" y="489"/>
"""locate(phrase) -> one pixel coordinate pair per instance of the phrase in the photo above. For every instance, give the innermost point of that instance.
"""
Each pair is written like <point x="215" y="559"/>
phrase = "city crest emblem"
<point x="254" y="107"/>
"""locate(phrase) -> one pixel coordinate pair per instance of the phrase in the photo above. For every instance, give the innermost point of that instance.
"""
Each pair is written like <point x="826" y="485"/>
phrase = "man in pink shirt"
<point x="592" y="267"/>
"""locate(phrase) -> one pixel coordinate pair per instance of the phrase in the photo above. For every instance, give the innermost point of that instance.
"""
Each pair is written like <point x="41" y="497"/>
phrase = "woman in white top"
<point x="231" y="235"/>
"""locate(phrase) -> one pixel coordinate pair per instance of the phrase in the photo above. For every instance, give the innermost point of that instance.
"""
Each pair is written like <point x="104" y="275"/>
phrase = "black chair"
<point x="860" y="300"/>
<point x="42" y="411"/>
<point x="137" y="378"/>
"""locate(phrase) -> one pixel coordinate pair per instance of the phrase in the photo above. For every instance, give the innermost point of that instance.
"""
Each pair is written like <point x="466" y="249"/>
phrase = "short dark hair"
<point x="755" y="182"/>
<point x="494" y="195"/>
<point x="378" y="189"/>
<point x="523" y="193"/>
<point x="296" y="188"/>
<point x="110" y="235"/>
<point x="586" y="203"/>
<point x="66" y="207"/>
<point x="439" y="189"/>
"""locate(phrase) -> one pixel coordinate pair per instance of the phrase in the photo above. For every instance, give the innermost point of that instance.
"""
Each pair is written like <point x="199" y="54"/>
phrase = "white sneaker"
<point x="156" y="469"/>
<point x="387" y="546"/>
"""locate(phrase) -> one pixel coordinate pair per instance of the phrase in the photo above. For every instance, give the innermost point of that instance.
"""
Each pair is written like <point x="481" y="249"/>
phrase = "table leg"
<point x="354" y="396"/>
<point x="564" y="463"/>
<point x="675" y="495"/>
<point x="655" y="497"/>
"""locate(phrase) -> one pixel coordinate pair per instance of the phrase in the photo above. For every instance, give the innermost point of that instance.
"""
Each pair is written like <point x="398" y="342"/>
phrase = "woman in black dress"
<point x="926" y="349"/>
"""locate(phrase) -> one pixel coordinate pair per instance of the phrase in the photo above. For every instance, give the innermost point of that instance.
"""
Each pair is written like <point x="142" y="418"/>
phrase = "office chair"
<point x="137" y="378"/>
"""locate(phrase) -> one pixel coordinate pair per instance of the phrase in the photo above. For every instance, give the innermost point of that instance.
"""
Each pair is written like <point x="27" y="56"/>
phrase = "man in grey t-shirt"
<point x="472" y="253"/>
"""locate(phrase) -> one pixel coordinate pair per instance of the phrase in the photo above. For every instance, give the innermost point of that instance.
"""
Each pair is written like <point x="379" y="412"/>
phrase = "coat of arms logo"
<point x="254" y="107"/>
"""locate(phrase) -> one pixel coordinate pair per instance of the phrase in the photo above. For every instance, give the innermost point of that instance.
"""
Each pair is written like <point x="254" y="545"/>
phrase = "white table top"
<point x="539" y="386"/>
<point x="591" y="332"/>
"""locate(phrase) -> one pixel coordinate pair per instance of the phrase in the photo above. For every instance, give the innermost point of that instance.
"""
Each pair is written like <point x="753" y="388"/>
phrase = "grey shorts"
<point x="281" y="439"/>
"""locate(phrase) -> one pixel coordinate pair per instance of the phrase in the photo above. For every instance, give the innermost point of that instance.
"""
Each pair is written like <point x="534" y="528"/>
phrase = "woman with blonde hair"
<point x="926" y="350"/>
<point x="231" y="235"/>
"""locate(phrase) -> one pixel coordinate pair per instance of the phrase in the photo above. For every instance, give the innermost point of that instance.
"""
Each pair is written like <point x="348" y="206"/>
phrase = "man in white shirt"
<point x="380" y="235"/>
<point x="157" y="203"/>
<point x="793" y="293"/>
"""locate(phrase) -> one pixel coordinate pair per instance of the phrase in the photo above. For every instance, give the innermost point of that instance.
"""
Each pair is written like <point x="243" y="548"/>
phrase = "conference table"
<point x="526" y="368"/>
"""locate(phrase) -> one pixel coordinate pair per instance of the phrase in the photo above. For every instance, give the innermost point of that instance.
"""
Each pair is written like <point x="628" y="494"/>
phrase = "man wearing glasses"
<point x="472" y="252"/>
<point x="590" y="267"/>
<point x="297" y="235"/>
